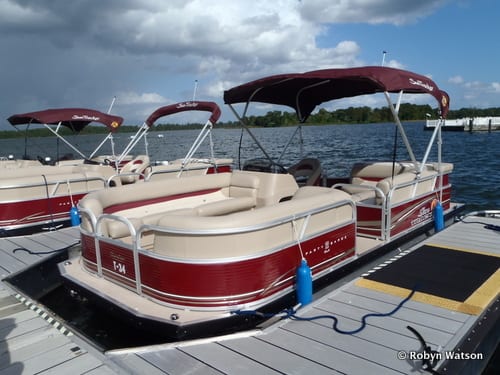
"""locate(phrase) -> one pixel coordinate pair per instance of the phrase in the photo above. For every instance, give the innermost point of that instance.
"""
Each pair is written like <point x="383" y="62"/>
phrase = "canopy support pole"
<point x="436" y="134"/>
<point x="205" y="131"/>
<point x="109" y="136"/>
<point x="111" y="139"/>
<point x="136" y="138"/>
<point x="65" y="141"/>
<point x="299" y="130"/>
<point x="244" y="125"/>
<point x="399" y="125"/>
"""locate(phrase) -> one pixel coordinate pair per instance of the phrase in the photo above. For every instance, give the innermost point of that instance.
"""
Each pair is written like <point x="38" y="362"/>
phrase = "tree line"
<point x="351" y="115"/>
<point x="363" y="115"/>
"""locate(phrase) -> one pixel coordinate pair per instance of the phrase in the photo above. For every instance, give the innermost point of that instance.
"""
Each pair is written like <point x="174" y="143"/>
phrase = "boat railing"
<point x="173" y="168"/>
<point x="55" y="184"/>
<point x="88" y="218"/>
<point x="245" y="228"/>
<point x="415" y="191"/>
<point x="125" y="178"/>
<point x="397" y="194"/>
<point x="299" y="223"/>
<point x="374" y="191"/>
<point x="387" y="196"/>
<point x="435" y="188"/>
<point x="104" y="217"/>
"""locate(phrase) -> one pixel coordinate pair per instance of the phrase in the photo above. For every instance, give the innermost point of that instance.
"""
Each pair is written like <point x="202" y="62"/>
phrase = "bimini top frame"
<point x="75" y="119"/>
<point x="211" y="107"/>
<point x="305" y="91"/>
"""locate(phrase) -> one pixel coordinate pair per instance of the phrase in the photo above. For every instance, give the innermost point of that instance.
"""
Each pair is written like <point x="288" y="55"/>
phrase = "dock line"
<point x="291" y="314"/>
<point x="45" y="252"/>
<point x="428" y="363"/>
<point x="486" y="225"/>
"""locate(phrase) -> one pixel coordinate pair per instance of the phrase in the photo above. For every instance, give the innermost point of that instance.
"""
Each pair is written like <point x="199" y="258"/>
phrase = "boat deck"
<point x="32" y="342"/>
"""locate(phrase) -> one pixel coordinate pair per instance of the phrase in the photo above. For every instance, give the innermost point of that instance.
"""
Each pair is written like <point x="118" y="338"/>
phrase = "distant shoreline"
<point x="16" y="134"/>
<point x="276" y="119"/>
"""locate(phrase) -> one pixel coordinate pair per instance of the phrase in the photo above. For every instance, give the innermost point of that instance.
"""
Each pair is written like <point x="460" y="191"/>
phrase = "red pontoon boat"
<point x="182" y="255"/>
<point x="38" y="194"/>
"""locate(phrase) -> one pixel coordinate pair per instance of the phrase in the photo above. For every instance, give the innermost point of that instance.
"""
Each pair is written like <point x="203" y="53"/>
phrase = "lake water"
<point x="476" y="156"/>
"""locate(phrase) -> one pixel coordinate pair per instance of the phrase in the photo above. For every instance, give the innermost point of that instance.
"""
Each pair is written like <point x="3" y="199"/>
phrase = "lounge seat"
<point x="371" y="182"/>
<point x="255" y="231"/>
<point x="226" y="206"/>
<point x="206" y="195"/>
<point x="399" y="193"/>
<point x="134" y="169"/>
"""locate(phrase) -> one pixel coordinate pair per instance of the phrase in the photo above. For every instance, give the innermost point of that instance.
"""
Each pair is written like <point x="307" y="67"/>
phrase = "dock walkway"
<point x="31" y="340"/>
<point x="33" y="343"/>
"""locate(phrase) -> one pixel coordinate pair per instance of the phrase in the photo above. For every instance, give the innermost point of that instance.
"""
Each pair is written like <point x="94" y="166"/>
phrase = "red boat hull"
<point x="36" y="212"/>
<point x="403" y="217"/>
<point x="226" y="283"/>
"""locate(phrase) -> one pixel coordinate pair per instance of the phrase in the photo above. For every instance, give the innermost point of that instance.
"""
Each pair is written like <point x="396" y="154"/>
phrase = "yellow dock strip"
<point x="473" y="305"/>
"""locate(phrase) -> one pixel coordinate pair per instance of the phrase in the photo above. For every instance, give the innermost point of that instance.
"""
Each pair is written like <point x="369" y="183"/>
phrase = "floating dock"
<point x="468" y="124"/>
<point x="32" y="340"/>
<point x="454" y="323"/>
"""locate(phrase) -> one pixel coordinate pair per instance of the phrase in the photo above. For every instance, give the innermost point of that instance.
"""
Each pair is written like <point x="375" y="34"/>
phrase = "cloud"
<point x="496" y="87"/>
<point x="368" y="11"/>
<point x="473" y="85"/>
<point x="149" y="52"/>
<point x="131" y="98"/>
<point x="456" y="80"/>
<point x="477" y="93"/>
<point x="394" y="64"/>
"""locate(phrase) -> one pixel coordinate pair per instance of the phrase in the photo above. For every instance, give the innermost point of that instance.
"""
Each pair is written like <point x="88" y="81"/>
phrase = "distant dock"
<point x="467" y="124"/>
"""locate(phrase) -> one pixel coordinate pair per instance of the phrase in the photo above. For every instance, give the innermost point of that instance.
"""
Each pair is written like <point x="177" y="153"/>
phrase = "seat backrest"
<point x="373" y="172"/>
<point x="137" y="166"/>
<point x="244" y="184"/>
<point x="306" y="172"/>
<point x="443" y="167"/>
<point x="400" y="193"/>
<point x="268" y="188"/>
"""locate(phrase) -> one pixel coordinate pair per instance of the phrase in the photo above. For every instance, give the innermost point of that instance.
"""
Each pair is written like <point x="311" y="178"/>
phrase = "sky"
<point x="151" y="53"/>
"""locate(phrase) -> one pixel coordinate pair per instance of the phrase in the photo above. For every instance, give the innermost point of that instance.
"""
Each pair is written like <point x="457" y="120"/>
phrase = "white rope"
<point x="301" y="235"/>
<point x="70" y="194"/>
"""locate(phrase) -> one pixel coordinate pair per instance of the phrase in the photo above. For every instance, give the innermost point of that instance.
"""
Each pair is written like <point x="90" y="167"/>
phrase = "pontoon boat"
<point x="39" y="195"/>
<point x="183" y="257"/>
